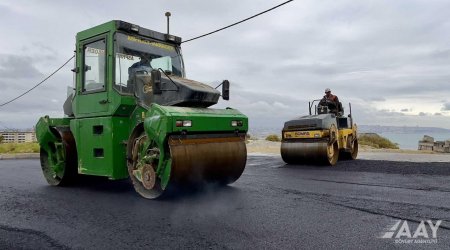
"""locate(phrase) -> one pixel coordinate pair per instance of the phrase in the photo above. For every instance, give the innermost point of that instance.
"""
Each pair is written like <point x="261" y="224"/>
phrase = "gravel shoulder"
<point x="19" y="156"/>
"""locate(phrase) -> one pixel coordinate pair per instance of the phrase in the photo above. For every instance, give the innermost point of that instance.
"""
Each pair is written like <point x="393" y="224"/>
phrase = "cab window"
<point x="94" y="66"/>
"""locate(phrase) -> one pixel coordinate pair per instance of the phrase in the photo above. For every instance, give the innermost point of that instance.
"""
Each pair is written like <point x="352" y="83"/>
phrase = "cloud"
<point x="446" y="107"/>
<point x="371" y="54"/>
<point x="387" y="112"/>
<point x="377" y="99"/>
<point x="16" y="66"/>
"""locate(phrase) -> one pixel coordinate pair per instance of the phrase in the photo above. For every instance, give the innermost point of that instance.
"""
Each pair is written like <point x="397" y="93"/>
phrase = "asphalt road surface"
<point x="272" y="206"/>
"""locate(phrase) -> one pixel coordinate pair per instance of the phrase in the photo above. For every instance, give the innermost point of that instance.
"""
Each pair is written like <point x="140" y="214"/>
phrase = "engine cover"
<point x="311" y="122"/>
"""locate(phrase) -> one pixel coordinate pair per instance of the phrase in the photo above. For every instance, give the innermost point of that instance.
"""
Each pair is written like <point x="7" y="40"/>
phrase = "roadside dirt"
<point x="365" y="152"/>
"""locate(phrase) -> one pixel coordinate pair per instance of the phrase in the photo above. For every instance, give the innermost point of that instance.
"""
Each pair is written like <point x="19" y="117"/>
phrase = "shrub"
<point x="273" y="138"/>
<point x="14" y="148"/>
<point x="376" y="141"/>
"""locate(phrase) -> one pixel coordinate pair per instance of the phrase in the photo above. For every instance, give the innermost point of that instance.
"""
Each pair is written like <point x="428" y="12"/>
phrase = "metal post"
<point x="168" y="21"/>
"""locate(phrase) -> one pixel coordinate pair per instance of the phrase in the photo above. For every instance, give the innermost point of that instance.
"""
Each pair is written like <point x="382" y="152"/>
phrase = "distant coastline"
<point x="401" y="129"/>
<point x="407" y="137"/>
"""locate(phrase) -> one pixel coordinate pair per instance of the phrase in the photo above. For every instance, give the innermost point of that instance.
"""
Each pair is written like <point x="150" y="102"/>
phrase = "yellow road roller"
<point x="320" y="138"/>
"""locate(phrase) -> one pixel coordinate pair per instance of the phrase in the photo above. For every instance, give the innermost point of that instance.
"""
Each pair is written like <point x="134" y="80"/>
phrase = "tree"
<point x="1" y="138"/>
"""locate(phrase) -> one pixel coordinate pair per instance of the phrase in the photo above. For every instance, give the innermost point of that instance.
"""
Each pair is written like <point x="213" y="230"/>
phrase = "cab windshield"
<point x="136" y="55"/>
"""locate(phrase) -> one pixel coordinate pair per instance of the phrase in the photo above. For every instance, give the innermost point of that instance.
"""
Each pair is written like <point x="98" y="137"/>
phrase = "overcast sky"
<point x="390" y="59"/>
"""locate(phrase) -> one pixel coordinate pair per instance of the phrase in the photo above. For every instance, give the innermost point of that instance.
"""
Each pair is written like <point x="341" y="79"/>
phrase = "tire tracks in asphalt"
<point x="26" y="234"/>
<point x="398" y="210"/>
<point x="380" y="185"/>
<point x="346" y="202"/>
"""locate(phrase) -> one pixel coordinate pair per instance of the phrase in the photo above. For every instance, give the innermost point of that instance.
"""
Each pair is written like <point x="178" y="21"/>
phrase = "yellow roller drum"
<point x="319" y="151"/>
<point x="309" y="152"/>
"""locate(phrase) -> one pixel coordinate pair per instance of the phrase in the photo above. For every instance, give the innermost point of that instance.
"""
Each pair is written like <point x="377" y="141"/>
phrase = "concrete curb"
<point x="19" y="156"/>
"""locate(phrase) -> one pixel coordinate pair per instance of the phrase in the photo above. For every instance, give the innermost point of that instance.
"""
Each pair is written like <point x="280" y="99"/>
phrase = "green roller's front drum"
<point x="220" y="160"/>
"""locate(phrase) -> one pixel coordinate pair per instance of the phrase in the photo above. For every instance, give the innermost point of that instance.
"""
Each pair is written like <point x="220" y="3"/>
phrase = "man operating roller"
<point x="144" y="65"/>
<point x="332" y="102"/>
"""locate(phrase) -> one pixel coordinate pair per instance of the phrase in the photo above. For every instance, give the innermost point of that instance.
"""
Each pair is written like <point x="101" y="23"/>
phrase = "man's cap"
<point x="327" y="90"/>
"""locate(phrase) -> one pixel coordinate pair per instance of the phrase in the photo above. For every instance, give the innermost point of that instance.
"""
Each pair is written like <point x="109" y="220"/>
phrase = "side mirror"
<point x="226" y="90"/>
<point x="156" y="82"/>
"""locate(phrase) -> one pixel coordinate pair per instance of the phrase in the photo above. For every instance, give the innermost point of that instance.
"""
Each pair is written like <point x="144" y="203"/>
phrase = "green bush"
<point x="273" y="138"/>
<point x="376" y="141"/>
<point x="16" y="148"/>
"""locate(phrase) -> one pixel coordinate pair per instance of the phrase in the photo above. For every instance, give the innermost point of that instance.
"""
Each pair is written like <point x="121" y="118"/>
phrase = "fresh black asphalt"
<point x="272" y="206"/>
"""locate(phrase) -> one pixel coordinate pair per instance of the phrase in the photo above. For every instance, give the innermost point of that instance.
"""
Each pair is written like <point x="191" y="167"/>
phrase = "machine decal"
<point x="95" y="51"/>
<point x="125" y="56"/>
<point x="156" y="44"/>
<point x="303" y="134"/>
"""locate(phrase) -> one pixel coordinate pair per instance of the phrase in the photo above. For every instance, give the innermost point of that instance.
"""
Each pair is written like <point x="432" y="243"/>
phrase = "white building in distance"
<point x="13" y="136"/>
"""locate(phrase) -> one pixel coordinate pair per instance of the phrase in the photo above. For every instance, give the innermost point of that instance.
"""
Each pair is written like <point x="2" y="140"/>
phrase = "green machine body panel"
<point x="101" y="145"/>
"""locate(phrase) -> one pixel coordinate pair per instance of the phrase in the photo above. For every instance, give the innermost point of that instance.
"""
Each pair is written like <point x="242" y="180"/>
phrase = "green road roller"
<point x="132" y="113"/>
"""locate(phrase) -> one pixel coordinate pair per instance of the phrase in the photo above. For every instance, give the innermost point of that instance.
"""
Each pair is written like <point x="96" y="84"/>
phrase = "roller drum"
<point x="309" y="152"/>
<point x="220" y="160"/>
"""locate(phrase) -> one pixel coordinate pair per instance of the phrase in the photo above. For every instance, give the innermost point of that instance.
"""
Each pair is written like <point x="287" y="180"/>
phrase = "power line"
<point x="236" y="23"/>
<point x="35" y="86"/>
<point x="195" y="38"/>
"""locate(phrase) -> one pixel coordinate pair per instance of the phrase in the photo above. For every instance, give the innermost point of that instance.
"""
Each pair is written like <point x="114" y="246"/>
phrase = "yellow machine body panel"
<point x="343" y="137"/>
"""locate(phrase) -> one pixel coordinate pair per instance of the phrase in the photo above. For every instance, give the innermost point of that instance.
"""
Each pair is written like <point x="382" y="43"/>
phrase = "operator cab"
<point x="326" y="107"/>
<point x="114" y="68"/>
<point x="141" y="60"/>
<point x="136" y="56"/>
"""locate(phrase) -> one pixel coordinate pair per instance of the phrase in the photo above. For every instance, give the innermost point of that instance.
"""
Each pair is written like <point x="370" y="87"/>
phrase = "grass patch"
<point x="273" y="138"/>
<point x="17" y="148"/>
<point x="376" y="141"/>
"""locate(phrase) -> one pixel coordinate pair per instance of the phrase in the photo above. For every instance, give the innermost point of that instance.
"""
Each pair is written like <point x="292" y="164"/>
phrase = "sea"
<point x="411" y="140"/>
<point x="404" y="139"/>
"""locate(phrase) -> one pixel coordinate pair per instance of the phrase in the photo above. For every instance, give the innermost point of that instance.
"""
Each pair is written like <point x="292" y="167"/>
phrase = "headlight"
<point x="237" y="123"/>
<point x="185" y="123"/>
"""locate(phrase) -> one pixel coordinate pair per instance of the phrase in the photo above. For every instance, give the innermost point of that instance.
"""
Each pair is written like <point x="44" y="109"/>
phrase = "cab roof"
<point x="118" y="25"/>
